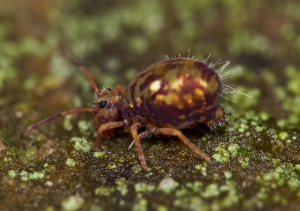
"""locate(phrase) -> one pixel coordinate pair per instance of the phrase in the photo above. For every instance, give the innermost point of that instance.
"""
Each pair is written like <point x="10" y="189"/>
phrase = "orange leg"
<point x="134" y="133"/>
<point x="179" y="134"/>
<point x="106" y="126"/>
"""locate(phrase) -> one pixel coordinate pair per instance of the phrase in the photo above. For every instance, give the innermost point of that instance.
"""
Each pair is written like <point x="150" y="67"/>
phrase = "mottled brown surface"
<point x="175" y="93"/>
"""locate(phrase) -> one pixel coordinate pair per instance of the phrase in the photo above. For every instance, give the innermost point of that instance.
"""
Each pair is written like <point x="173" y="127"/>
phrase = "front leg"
<point x="106" y="126"/>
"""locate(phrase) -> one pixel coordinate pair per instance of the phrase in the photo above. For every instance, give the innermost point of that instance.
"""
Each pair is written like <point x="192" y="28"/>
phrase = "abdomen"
<point x="175" y="93"/>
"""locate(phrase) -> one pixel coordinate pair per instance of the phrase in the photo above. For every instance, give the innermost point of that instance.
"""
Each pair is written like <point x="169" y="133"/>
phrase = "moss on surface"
<point x="255" y="157"/>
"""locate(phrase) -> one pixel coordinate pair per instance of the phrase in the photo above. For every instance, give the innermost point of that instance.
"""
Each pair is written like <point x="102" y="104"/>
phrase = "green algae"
<point x="72" y="203"/>
<point x="80" y="144"/>
<point x="167" y="185"/>
<point x="143" y="187"/>
<point x="70" y="162"/>
<point x="137" y="168"/>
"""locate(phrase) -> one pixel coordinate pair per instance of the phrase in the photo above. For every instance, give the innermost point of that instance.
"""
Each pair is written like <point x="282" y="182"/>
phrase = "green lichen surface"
<point x="255" y="157"/>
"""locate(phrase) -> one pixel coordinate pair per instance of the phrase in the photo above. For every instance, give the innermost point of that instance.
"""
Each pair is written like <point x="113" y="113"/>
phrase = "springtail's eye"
<point x="102" y="104"/>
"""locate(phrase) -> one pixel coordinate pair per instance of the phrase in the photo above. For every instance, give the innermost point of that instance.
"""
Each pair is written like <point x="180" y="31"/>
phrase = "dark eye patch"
<point x="102" y="104"/>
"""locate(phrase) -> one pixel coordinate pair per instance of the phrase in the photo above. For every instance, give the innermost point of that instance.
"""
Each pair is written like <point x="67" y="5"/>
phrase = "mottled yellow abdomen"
<point x="176" y="93"/>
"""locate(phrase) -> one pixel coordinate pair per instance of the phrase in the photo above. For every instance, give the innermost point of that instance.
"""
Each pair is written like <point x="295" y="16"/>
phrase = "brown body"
<point x="175" y="93"/>
<point x="167" y="96"/>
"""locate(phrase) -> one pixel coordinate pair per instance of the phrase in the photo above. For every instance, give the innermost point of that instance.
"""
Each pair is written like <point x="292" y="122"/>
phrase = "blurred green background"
<point x="256" y="156"/>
